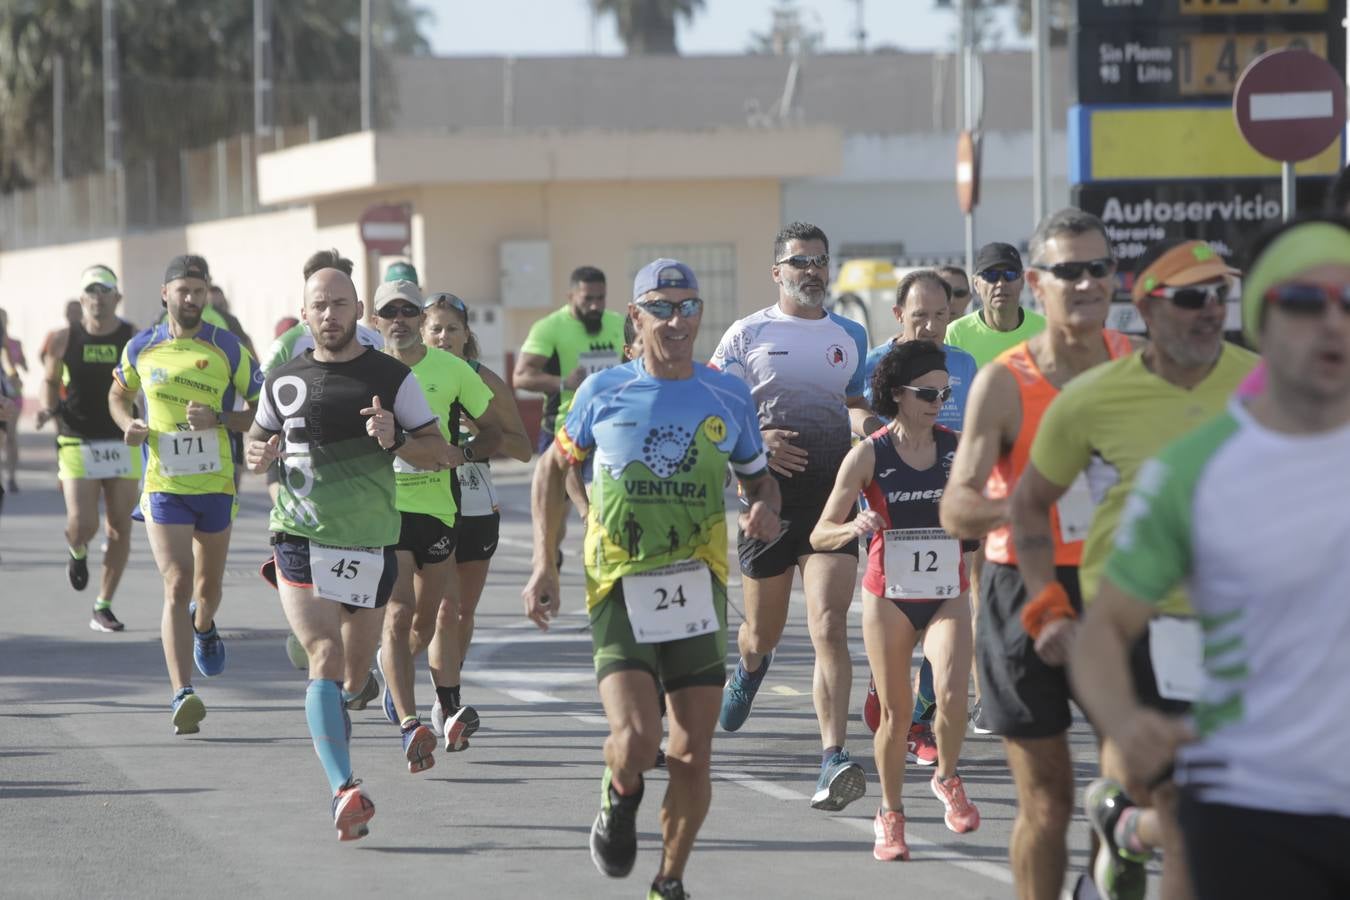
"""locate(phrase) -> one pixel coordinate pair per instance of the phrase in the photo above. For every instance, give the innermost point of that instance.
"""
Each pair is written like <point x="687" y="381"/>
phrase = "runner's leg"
<point x="1043" y="774"/>
<point x="889" y="638"/>
<point x="171" y="546"/>
<point x="81" y="496"/>
<point x="472" y="578"/>
<point x="429" y="588"/>
<point x="766" y="610"/>
<point x="947" y="644"/>
<point x="829" y="579"/>
<point x="395" y="650"/>
<point x="444" y="656"/>
<point x="693" y="716"/>
<point x="119" y="499"/>
<point x="210" y="550"/>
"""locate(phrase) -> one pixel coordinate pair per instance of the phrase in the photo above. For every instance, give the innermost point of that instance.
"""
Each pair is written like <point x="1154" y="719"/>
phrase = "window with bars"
<point x="715" y="267"/>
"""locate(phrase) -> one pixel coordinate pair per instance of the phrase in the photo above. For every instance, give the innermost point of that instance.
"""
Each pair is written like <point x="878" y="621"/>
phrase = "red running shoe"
<point x="922" y="749"/>
<point x="962" y="816"/>
<point x="352" y="809"/>
<point x="889" y="829"/>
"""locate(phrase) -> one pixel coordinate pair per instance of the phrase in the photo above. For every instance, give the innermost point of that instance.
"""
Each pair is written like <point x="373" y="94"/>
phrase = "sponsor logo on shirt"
<point x="100" y="353"/>
<point x="836" y="356"/>
<point x="903" y="496"/>
<point x="159" y="376"/>
<point x="203" y="363"/>
<point x="886" y="474"/>
<point x="715" y="429"/>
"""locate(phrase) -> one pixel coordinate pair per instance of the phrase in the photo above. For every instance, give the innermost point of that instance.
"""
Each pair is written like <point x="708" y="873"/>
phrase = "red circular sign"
<point x="1290" y="105"/>
<point x="386" y="229"/>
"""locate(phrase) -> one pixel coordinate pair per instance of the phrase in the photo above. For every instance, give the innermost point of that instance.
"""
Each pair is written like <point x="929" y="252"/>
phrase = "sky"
<point x="565" y="28"/>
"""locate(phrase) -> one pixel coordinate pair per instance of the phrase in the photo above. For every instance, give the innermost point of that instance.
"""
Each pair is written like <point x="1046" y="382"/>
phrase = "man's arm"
<point x="861" y="418"/>
<point x="426" y="448"/>
<point x="992" y="414"/>
<point x="530" y="376"/>
<point x="506" y="414"/>
<point x="1032" y="501"/>
<point x="122" y="408"/>
<point x="52" y="364"/>
<point x="546" y="499"/>
<point x="833" y="530"/>
<point x="1102" y="683"/>
<point x="761" y="521"/>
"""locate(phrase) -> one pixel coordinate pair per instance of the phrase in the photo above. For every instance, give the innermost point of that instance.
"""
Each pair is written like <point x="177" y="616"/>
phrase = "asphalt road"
<point x="99" y="798"/>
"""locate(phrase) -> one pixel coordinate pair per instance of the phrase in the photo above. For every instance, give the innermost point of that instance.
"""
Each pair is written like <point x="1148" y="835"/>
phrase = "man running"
<point x="428" y="509"/>
<point x="804" y="367"/>
<point x="336" y="417"/>
<point x="959" y="282"/>
<point x="662" y="429"/>
<point x="191" y="373"/>
<point x="1248" y="512"/>
<point x="922" y="304"/>
<point x="1001" y="321"/>
<point x="92" y="459"/>
<point x="1104" y="424"/>
<point x="1024" y="690"/>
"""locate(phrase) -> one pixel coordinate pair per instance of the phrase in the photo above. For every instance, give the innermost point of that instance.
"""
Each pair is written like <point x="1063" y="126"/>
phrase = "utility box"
<point x="525" y="274"/>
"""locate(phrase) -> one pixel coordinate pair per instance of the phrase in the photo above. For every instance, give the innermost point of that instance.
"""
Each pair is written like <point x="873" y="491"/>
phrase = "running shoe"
<point x="352" y="809"/>
<point x="961" y="816"/>
<point x="660" y="758"/>
<point x="920" y="747"/>
<point x="208" y="650"/>
<point x="387" y="700"/>
<point x="418" y="745"/>
<point x="841" y="782"/>
<point x="457" y="727"/>
<point x="369" y="691"/>
<point x="104" y="620"/>
<point x="188" y="712"/>
<point x="295" y="652"/>
<point x="614" y="834"/>
<point x="740" y="694"/>
<point x="77" y="570"/>
<point x="888" y="830"/>
<point x="978" y="723"/>
<point x="1118" y="873"/>
<point x="872" y="707"/>
<point x="667" y="889"/>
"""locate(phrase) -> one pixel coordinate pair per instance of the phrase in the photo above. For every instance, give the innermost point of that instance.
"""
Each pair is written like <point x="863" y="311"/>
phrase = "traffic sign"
<point x="387" y="229"/>
<point x="967" y="172"/>
<point x="1290" y="105"/>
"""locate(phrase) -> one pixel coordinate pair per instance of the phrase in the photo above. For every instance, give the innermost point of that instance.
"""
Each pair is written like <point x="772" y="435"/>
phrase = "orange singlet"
<point x="1036" y="393"/>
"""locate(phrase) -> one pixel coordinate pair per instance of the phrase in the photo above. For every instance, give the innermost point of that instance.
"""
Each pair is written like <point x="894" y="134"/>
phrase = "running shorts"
<point x="71" y="459"/>
<point x="207" y="513"/>
<point x="688" y="662"/>
<point x="478" y="536"/>
<point x="291" y="553"/>
<point x="766" y="559"/>
<point x="427" y="538"/>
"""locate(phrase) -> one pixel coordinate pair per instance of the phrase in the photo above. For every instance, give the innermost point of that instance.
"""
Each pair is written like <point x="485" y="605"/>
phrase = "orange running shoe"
<point x="962" y="816"/>
<point x="889" y="829"/>
<point x="352" y="809"/>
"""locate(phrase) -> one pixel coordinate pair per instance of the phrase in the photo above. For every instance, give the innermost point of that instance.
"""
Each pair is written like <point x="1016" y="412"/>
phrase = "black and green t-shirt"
<point x="338" y="484"/>
<point x="562" y="339"/>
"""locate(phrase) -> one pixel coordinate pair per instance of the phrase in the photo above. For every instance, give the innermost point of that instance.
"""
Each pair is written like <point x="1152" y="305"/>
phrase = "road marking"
<point x="785" y="690"/>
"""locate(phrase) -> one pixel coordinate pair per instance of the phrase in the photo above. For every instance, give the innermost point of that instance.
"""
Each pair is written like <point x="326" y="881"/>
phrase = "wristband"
<point x="1050" y="605"/>
<point x="400" y="438"/>
<point x="467" y="451"/>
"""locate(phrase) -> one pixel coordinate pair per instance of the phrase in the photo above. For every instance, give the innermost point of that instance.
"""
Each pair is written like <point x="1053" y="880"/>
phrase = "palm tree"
<point x="647" y="27"/>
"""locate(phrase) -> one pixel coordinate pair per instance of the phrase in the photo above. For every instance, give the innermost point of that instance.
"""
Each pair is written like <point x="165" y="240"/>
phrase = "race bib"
<point x="597" y="361"/>
<point x="475" y="490"/>
<point x="346" y="574"/>
<point x="105" y="459"/>
<point x="921" y="564"/>
<point x="670" y="603"/>
<point x="1075" y="510"/>
<point x="1177" y="648"/>
<point x="189" y="452"/>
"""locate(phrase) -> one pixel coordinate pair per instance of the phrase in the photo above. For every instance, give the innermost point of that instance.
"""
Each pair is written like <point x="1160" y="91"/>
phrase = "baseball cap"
<point x="997" y="255"/>
<point x="401" y="271"/>
<point x="663" y="273"/>
<point x="98" y="275"/>
<point x="187" y="266"/>
<point x="1190" y="263"/>
<point x="400" y="290"/>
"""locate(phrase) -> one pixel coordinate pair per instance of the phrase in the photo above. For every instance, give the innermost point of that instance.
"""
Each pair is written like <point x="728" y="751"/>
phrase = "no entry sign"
<point x="1290" y="105"/>
<point x="386" y="229"/>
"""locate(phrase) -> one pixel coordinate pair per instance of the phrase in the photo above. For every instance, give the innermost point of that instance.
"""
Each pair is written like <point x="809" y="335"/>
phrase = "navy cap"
<point x="187" y="266"/>
<point x="663" y="273"/>
<point x="997" y="255"/>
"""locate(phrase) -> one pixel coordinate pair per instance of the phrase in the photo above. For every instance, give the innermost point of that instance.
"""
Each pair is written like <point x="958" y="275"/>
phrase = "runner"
<point x="959" y="282"/>
<point x="1104" y="424"/>
<point x="1265" y="798"/>
<point x="921" y="308"/>
<point x="13" y="365"/>
<point x="657" y="615"/>
<point x="9" y="411"/>
<point x="428" y="508"/>
<point x="191" y="373"/>
<point x="1024" y="690"/>
<point x="804" y="367"/>
<point x="902" y="470"/>
<point x="92" y="459"/>
<point x="290" y="344"/>
<point x="336" y="417"/>
<point x="1000" y="321"/>
<point x="446" y="326"/>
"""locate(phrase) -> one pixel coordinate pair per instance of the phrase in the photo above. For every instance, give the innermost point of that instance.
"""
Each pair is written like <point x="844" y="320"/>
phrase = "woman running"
<point x="915" y="581"/>
<point x="447" y="326"/>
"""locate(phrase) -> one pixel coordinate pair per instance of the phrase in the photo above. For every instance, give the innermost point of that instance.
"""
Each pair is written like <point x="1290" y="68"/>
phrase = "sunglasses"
<point x="664" y="309"/>
<point x="394" y="310"/>
<point x="1073" y="271"/>
<point x="97" y="288"/>
<point x="806" y="262"/>
<point x="445" y="298"/>
<point x="1193" y="297"/>
<point x="929" y="395"/>
<point x="959" y="294"/>
<point x="994" y="276"/>
<point x="1303" y="298"/>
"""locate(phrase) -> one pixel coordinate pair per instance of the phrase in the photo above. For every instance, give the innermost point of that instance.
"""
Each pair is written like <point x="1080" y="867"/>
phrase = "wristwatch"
<point x="468" y="453"/>
<point x="400" y="438"/>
